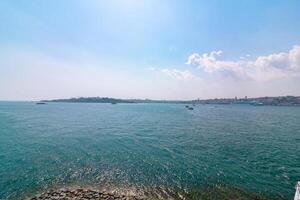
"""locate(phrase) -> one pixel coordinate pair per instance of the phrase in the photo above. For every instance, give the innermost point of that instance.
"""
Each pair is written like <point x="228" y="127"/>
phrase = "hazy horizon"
<point x="131" y="49"/>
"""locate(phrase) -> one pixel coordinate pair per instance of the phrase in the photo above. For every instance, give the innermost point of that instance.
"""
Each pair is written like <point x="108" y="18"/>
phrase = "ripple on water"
<point x="153" y="145"/>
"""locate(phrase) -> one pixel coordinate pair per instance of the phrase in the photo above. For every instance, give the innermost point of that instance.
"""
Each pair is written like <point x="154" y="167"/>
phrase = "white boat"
<point x="297" y="194"/>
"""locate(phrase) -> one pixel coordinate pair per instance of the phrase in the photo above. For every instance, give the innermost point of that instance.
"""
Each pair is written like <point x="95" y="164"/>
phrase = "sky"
<point x="157" y="49"/>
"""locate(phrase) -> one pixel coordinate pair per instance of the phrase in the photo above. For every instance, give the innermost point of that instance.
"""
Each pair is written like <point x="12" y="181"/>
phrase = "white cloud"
<point x="263" y="68"/>
<point x="179" y="74"/>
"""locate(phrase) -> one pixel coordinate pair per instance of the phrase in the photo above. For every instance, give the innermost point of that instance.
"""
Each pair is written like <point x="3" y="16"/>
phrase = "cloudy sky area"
<point x="158" y="49"/>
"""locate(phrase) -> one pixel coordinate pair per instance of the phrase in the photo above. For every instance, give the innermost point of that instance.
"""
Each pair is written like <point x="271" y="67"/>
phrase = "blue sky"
<point x="159" y="49"/>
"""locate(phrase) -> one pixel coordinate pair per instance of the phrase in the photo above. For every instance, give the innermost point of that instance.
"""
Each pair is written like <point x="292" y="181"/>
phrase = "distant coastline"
<point x="258" y="101"/>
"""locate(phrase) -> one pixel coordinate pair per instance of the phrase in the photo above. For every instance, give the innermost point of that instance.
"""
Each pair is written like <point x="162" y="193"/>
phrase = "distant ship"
<point x="40" y="103"/>
<point x="256" y="103"/>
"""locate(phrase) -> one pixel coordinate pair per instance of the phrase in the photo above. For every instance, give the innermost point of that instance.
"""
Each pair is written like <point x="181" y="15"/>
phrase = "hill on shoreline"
<point x="274" y="101"/>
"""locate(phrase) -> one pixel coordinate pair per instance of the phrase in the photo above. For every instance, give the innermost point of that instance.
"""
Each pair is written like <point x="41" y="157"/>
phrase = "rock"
<point x="82" y="194"/>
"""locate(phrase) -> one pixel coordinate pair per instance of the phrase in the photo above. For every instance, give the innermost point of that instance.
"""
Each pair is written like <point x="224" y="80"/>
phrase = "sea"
<point x="148" y="145"/>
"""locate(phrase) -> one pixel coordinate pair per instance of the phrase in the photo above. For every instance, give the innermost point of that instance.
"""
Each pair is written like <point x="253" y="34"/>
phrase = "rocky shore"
<point x="82" y="194"/>
<point x="206" y="193"/>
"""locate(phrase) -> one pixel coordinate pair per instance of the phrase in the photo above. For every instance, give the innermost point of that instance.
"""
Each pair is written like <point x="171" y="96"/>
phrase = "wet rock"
<point x="82" y="194"/>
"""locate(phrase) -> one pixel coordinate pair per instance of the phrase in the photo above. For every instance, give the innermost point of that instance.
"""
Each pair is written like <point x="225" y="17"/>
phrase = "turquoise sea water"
<point x="151" y="145"/>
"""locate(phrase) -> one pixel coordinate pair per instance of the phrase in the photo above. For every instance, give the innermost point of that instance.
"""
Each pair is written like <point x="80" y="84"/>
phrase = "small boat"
<point x="191" y="108"/>
<point x="256" y="103"/>
<point x="40" y="103"/>
<point x="113" y="103"/>
<point x="186" y="106"/>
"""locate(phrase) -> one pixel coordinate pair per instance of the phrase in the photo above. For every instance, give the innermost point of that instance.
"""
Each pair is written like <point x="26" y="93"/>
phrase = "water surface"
<point x="151" y="145"/>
